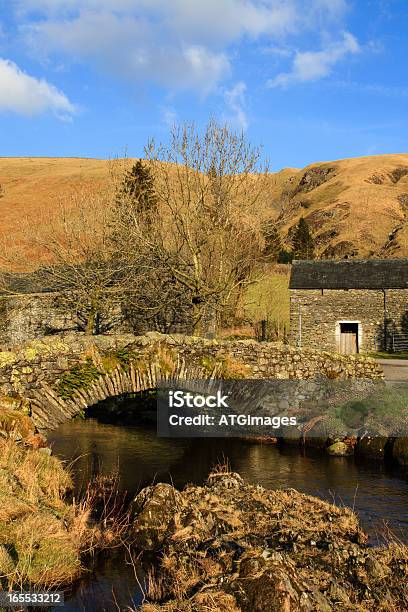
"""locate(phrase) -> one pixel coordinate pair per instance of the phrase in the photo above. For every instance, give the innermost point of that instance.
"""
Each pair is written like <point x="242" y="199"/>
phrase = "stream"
<point x="377" y="492"/>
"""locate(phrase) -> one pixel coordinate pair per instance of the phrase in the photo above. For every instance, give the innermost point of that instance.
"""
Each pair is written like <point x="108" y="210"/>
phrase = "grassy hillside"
<point x="355" y="207"/>
<point x="33" y="187"/>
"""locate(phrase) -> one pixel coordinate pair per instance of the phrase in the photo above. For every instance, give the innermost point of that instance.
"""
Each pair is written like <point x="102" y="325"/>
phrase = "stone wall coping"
<point x="54" y="345"/>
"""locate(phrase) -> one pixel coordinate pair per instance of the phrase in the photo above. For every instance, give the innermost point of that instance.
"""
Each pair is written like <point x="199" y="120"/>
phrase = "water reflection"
<point x="377" y="492"/>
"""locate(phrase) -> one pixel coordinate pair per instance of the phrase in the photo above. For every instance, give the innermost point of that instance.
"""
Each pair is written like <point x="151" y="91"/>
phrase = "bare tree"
<point x="71" y="254"/>
<point x="182" y="230"/>
<point x="204" y="234"/>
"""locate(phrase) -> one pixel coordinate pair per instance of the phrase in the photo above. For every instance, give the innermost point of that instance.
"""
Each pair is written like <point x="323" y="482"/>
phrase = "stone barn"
<point x="349" y="306"/>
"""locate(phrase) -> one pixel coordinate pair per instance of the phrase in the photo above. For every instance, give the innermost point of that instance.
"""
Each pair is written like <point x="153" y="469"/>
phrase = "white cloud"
<point x="170" y="116"/>
<point x="131" y="48"/>
<point x="314" y="65"/>
<point x="23" y="94"/>
<point x="235" y="101"/>
<point x="182" y="44"/>
<point x="191" y="19"/>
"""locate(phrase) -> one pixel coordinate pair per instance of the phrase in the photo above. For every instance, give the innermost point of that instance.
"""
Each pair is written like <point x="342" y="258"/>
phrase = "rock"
<point x="290" y="435"/>
<point x="16" y="425"/>
<point x="375" y="569"/>
<point x="268" y="588"/>
<point x="36" y="441"/>
<point x="339" y="449"/>
<point x="231" y="546"/>
<point x="154" y="507"/>
<point x="372" y="447"/>
<point x="400" y="451"/>
<point x="230" y="480"/>
<point x="315" y="442"/>
<point x="45" y="450"/>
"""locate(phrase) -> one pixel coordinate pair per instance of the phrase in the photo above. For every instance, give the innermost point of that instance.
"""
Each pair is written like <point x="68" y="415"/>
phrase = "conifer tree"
<point x="135" y="202"/>
<point x="303" y="243"/>
<point x="136" y="195"/>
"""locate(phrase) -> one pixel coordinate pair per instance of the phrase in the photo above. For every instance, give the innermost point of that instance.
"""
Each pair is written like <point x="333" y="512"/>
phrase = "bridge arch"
<point x="48" y="409"/>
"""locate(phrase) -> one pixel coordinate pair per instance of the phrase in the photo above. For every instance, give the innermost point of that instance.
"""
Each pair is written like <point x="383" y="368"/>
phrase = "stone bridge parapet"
<point x="42" y="370"/>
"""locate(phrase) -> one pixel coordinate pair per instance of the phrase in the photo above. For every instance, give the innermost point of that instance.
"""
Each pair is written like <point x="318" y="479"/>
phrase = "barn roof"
<point x="350" y="274"/>
<point x="34" y="282"/>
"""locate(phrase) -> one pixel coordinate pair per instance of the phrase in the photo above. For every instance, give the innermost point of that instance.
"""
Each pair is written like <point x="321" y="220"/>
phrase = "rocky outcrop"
<point x="233" y="546"/>
<point x="314" y="177"/>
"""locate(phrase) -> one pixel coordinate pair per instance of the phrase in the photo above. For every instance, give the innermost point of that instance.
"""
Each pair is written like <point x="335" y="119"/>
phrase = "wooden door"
<point x="348" y="339"/>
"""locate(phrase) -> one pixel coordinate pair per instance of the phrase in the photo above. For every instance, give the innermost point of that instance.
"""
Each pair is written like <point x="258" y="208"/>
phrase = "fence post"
<point x="300" y="327"/>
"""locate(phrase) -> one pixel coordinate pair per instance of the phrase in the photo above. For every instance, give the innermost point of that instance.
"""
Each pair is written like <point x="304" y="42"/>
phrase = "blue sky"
<point x="310" y="80"/>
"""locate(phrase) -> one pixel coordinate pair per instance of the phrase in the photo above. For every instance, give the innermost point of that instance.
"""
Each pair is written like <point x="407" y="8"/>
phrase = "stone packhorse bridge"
<point x="57" y="378"/>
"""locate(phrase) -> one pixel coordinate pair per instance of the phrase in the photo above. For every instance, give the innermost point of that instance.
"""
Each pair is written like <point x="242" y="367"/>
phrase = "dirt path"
<point x="395" y="370"/>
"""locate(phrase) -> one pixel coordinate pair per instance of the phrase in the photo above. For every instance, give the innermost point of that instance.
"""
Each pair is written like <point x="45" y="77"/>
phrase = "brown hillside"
<point x="355" y="207"/>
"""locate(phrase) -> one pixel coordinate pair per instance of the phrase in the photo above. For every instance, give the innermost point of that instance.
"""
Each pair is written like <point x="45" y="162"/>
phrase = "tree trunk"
<point x="197" y="319"/>
<point x="90" y="324"/>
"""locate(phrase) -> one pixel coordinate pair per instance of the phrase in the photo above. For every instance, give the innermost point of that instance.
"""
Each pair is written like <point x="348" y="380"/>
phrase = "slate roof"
<point x="350" y="274"/>
<point x="27" y="283"/>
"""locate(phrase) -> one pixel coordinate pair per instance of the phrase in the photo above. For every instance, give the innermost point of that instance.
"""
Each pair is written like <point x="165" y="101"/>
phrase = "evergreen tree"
<point x="303" y="243"/>
<point x="136" y="195"/>
<point x="135" y="202"/>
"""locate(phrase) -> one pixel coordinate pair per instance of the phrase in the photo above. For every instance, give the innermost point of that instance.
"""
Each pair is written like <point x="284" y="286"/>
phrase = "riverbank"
<point x="41" y="535"/>
<point x="46" y="537"/>
<point x="221" y="541"/>
<point x="231" y="546"/>
<point x="370" y="425"/>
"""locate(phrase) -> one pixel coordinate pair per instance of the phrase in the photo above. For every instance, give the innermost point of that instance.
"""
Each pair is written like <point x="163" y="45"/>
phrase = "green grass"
<point x="383" y="355"/>
<point x="268" y="297"/>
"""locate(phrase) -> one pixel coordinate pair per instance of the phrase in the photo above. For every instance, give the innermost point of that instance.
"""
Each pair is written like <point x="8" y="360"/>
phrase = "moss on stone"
<point x="7" y="358"/>
<point x="81" y="376"/>
<point x="30" y="353"/>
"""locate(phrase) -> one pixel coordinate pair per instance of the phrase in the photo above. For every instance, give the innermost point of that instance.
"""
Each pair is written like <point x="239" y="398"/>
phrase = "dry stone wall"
<point x="23" y="317"/>
<point x="27" y="316"/>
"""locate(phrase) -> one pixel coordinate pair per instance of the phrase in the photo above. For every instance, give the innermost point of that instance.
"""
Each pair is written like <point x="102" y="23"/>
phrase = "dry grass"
<point x="366" y="185"/>
<point x="38" y="477"/>
<point x="43" y="537"/>
<point x="34" y="186"/>
<point x="37" y="527"/>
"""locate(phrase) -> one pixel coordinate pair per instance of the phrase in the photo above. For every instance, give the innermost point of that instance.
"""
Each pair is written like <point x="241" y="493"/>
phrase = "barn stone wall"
<point x="24" y="317"/>
<point x="30" y="316"/>
<point x="397" y="310"/>
<point x="321" y="310"/>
